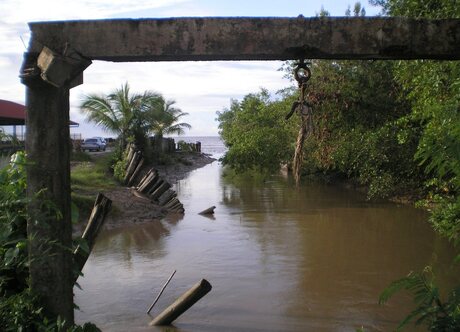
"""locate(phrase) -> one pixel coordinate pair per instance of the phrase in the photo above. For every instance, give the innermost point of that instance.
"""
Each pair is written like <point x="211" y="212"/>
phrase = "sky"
<point x="198" y="88"/>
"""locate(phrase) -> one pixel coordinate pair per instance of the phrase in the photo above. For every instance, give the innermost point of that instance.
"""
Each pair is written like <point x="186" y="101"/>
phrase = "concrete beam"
<point x="239" y="38"/>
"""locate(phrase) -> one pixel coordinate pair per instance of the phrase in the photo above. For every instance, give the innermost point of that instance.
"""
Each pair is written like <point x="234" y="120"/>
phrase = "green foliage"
<point x="134" y="115"/>
<point x="445" y="218"/>
<point x="433" y="90"/>
<point x="379" y="159"/>
<point x="256" y="134"/>
<point x="419" y="8"/>
<point x="92" y="176"/>
<point x="361" y="126"/>
<point x="430" y="309"/>
<point x="22" y="312"/>
<point x="13" y="226"/>
<point x="20" y="309"/>
<point x="119" y="167"/>
<point x="120" y="112"/>
<point x="163" y="119"/>
<point x="87" y="179"/>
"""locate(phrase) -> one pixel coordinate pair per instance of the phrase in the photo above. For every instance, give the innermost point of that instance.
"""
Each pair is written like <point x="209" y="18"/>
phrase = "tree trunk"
<point x="48" y="189"/>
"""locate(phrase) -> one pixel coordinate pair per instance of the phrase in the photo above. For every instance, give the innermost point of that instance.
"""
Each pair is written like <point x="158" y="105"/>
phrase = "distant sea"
<point x="209" y="144"/>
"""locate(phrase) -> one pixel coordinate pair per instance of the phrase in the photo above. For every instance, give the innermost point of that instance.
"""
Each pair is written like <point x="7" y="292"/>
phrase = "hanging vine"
<point x="302" y="75"/>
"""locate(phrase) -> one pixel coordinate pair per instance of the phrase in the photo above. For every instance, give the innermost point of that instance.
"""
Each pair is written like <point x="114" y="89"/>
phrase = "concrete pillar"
<point x="48" y="189"/>
<point x="48" y="76"/>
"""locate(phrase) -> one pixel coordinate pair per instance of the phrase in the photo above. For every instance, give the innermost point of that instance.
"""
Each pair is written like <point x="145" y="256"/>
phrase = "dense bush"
<point x="392" y="126"/>
<point x="256" y="134"/>
<point x="20" y="308"/>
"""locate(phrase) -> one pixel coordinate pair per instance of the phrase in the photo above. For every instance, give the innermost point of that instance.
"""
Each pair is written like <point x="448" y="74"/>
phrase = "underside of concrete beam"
<point x="245" y="38"/>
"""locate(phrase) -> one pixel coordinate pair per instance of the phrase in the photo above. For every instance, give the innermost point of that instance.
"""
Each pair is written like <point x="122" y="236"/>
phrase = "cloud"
<point x="199" y="88"/>
<point x="5" y="62"/>
<point x="17" y="11"/>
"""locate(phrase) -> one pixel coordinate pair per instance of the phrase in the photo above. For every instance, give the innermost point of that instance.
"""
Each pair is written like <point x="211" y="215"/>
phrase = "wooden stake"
<point x="148" y="183"/>
<point x="182" y="304"/>
<point x="167" y="195"/>
<point x="161" y="292"/>
<point x="168" y="203"/>
<point x="157" y="182"/>
<point x="161" y="189"/>
<point x="171" y="203"/>
<point x="175" y="206"/>
<point x="132" y="166"/>
<point x="136" y="172"/>
<point x="130" y="151"/>
<point x="179" y="209"/>
<point x="96" y="220"/>
<point x="141" y="182"/>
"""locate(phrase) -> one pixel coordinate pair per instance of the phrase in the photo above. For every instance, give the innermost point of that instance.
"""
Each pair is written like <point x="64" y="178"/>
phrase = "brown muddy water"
<point x="278" y="258"/>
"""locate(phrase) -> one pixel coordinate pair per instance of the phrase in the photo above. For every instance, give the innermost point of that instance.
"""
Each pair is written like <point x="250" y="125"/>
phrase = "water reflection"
<point x="278" y="258"/>
<point x="339" y="250"/>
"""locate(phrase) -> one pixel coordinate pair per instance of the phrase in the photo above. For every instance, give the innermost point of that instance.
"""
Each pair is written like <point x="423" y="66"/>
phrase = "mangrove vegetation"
<point x="391" y="127"/>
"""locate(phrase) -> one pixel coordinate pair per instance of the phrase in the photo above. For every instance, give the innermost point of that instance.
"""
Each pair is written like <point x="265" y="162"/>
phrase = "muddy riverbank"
<point x="130" y="209"/>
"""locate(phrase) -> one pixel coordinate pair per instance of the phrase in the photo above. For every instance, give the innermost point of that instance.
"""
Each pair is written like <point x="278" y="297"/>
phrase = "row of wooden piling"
<point x="151" y="185"/>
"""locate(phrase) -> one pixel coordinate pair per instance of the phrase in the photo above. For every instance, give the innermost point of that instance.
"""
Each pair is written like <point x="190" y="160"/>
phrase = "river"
<point x="278" y="258"/>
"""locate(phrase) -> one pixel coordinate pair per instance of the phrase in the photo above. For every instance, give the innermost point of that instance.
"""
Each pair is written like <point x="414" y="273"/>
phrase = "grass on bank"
<point x="89" y="177"/>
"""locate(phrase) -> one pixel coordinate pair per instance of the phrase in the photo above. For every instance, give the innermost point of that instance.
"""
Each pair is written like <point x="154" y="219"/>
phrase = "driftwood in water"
<point x="161" y="292"/>
<point x="100" y="210"/>
<point x="208" y="210"/>
<point x="182" y="304"/>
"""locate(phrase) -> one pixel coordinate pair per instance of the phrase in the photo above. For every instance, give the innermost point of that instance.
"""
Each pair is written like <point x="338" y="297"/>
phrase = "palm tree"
<point x="119" y="112"/>
<point x="162" y="118"/>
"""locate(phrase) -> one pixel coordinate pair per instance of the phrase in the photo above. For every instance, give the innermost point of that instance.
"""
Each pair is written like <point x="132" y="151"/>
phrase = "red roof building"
<point x="14" y="114"/>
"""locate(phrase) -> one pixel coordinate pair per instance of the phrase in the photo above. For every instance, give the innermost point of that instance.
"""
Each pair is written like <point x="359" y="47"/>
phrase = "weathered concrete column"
<point x="48" y="188"/>
<point x="48" y="77"/>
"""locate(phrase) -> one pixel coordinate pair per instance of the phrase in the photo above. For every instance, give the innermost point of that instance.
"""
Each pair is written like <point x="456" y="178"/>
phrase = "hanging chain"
<point x="301" y="74"/>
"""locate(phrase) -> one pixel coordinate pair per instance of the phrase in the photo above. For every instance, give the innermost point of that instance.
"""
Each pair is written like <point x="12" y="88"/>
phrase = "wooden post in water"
<point x="100" y="210"/>
<point x="183" y="303"/>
